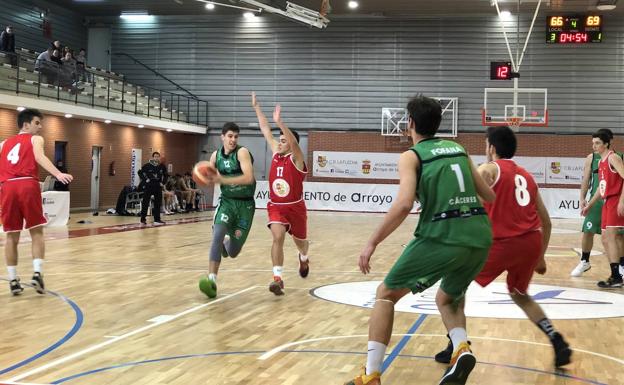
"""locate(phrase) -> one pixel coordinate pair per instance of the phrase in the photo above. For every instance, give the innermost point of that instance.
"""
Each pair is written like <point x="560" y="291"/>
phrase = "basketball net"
<point x="514" y="123"/>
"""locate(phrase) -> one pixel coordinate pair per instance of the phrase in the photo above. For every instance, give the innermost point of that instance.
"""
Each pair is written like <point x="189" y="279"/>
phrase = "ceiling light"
<point x="249" y="15"/>
<point x="169" y="130"/>
<point x="107" y="121"/>
<point x="606" y="7"/>
<point x="505" y="15"/>
<point x="353" y="4"/>
<point x="68" y="116"/>
<point x="135" y="15"/>
<point x="20" y="108"/>
<point x="210" y="6"/>
<point x="141" y="126"/>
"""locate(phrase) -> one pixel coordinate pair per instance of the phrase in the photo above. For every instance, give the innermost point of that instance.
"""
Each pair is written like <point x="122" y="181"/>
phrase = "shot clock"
<point x="574" y="29"/>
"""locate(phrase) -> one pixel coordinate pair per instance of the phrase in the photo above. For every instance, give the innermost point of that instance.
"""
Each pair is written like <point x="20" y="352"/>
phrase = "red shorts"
<point x="21" y="205"/>
<point x="293" y="215"/>
<point x="610" y="217"/>
<point x="518" y="256"/>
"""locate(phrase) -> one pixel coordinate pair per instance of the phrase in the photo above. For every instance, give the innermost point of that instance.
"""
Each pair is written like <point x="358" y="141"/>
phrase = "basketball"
<point x="201" y="172"/>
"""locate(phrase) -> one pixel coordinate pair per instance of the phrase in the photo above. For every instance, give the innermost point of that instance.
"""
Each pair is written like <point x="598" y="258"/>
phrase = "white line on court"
<point x="278" y="349"/>
<point x="124" y="336"/>
<point x="18" y="383"/>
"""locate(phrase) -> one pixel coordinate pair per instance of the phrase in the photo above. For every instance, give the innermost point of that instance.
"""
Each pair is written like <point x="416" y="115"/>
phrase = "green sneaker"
<point x="208" y="287"/>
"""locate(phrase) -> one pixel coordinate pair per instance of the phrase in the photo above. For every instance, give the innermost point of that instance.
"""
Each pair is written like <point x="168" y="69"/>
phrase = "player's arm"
<point x="585" y="182"/>
<point x="246" y="167"/>
<point x="401" y="207"/>
<point x="618" y="165"/>
<point x="542" y="212"/>
<point x="213" y="159"/>
<point x="489" y="173"/>
<point x="483" y="189"/>
<point x="591" y="203"/>
<point x="265" y="127"/>
<point x="43" y="161"/>
<point x="290" y="138"/>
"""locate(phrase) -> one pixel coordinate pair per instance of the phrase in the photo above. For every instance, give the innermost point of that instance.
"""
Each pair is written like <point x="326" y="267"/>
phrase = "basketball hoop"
<point x="514" y="122"/>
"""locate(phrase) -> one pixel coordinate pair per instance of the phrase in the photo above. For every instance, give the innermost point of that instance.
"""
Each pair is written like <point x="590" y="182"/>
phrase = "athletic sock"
<point x="615" y="270"/>
<point x="212" y="277"/>
<point x="277" y="271"/>
<point x="585" y="256"/>
<point x="457" y="336"/>
<point x="376" y="354"/>
<point x="38" y="265"/>
<point x="304" y="258"/>
<point x="546" y="326"/>
<point x="12" y="272"/>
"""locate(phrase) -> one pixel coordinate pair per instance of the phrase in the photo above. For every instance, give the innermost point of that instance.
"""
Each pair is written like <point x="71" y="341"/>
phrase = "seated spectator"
<point x="56" y="56"/>
<point x="174" y="203"/>
<point x="45" y="65"/>
<point x="190" y="183"/>
<point x="68" y="69"/>
<point x="81" y="65"/>
<point x="7" y="44"/>
<point x="188" y="195"/>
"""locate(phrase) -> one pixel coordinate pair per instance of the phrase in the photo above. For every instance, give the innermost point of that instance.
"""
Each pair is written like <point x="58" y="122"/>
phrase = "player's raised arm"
<point x="298" y="157"/>
<point x="44" y="162"/>
<point x="265" y="127"/>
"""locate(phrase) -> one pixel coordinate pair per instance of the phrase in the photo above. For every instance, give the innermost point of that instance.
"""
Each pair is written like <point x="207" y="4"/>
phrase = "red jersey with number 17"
<point x="17" y="158"/>
<point x="514" y="211"/>
<point x="610" y="181"/>
<point x="286" y="180"/>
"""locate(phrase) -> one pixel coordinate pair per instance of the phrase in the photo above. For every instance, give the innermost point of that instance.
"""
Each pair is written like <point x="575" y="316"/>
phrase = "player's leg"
<point x="222" y="220"/>
<point x="297" y="216"/>
<point x="620" y="244"/>
<point x="10" y="252"/>
<point x="278" y="233"/>
<point x="615" y="279"/>
<point x="38" y="254"/>
<point x="591" y="226"/>
<point x="12" y="224"/>
<point x="235" y="240"/>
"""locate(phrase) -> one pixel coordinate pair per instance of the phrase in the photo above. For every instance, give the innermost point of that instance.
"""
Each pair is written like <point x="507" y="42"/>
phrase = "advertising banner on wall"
<point x="564" y="170"/>
<point x="335" y="196"/>
<point x="562" y="202"/>
<point x="536" y="166"/>
<point x="366" y="165"/>
<point x="135" y="166"/>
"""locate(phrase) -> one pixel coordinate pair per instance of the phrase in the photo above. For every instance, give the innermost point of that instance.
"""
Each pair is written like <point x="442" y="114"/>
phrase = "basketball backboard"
<point x="517" y="107"/>
<point x="394" y="120"/>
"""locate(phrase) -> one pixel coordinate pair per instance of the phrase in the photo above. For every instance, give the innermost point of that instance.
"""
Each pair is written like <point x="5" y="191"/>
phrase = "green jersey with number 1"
<point x="229" y="165"/>
<point x="451" y="211"/>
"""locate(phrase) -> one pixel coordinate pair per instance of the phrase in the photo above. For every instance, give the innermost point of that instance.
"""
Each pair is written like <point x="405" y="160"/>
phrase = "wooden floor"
<point x="124" y="309"/>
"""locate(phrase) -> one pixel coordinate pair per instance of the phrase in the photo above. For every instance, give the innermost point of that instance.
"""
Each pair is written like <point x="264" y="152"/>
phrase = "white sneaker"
<point x="580" y="269"/>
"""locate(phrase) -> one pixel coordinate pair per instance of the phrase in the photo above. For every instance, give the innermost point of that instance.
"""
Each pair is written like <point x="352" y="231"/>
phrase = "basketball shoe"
<point x="208" y="287"/>
<point x="16" y="286"/>
<point x="562" y="350"/>
<point x="37" y="282"/>
<point x="364" y="379"/>
<point x="462" y="363"/>
<point x="277" y="286"/>
<point x="582" y="267"/>
<point x="304" y="267"/>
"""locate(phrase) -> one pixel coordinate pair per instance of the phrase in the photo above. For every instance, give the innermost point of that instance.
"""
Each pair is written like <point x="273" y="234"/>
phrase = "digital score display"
<point x="500" y="70"/>
<point x="574" y="29"/>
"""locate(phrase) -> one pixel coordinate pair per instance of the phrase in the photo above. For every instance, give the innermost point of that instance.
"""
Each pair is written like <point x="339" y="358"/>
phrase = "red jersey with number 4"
<point x="17" y="158"/>
<point x="610" y="181"/>
<point x="514" y="211"/>
<point x="286" y="180"/>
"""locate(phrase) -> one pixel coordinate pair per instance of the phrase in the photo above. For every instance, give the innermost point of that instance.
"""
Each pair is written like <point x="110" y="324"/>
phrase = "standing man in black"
<point x="153" y="177"/>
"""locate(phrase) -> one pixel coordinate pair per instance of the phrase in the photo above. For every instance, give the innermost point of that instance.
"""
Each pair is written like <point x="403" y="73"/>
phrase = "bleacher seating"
<point x="105" y="89"/>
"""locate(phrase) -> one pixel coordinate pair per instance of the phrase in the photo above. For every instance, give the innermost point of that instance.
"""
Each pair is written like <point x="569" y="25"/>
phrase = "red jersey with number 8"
<point x="610" y="181"/>
<point x="514" y="211"/>
<point x="17" y="158"/>
<point x="286" y="180"/>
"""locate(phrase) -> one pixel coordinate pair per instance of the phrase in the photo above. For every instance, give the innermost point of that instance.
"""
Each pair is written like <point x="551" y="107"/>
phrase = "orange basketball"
<point x="201" y="172"/>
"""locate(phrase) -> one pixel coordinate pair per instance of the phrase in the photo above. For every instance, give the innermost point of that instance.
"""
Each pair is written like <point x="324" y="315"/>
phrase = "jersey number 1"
<point x="13" y="155"/>
<point x="460" y="177"/>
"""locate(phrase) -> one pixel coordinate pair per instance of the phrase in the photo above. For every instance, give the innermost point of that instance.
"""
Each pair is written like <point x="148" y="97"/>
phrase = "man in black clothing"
<point x="7" y="43"/>
<point x="153" y="177"/>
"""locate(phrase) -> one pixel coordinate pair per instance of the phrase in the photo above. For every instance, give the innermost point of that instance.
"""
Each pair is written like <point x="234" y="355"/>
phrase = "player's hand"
<point x="254" y="100"/>
<point x="583" y="204"/>
<point x="277" y="114"/>
<point x="64" y="178"/>
<point x="540" y="268"/>
<point x="365" y="256"/>
<point x="212" y="175"/>
<point x="584" y="211"/>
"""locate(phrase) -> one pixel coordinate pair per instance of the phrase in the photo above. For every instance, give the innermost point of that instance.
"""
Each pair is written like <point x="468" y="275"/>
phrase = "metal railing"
<point x="22" y="74"/>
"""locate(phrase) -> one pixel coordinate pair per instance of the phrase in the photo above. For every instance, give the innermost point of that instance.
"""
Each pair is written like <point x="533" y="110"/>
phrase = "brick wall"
<point x="528" y="145"/>
<point x="117" y="143"/>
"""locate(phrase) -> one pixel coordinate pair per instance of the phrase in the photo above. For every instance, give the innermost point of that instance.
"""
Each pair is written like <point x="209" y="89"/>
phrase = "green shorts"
<point x="424" y="262"/>
<point x="593" y="220"/>
<point x="237" y="215"/>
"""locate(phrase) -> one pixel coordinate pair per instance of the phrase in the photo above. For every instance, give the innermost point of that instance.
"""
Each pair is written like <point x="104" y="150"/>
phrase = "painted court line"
<point x="124" y="336"/>
<point x="397" y="349"/>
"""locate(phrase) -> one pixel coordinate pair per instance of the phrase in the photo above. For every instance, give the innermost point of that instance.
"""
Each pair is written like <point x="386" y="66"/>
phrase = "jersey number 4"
<point x="13" y="155"/>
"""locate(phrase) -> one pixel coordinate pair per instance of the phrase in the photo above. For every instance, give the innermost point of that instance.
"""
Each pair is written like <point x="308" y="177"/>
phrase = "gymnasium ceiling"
<point x="339" y="7"/>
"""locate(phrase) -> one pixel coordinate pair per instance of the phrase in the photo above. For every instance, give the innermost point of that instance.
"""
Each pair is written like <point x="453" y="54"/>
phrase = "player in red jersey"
<point x="521" y="229"/>
<point x="20" y="196"/>
<point x="286" y="208"/>
<point x="611" y="174"/>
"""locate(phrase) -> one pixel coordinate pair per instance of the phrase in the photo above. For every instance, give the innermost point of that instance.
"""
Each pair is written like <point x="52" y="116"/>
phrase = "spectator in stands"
<point x="68" y="68"/>
<point x="188" y="196"/>
<point x="56" y="56"/>
<point x="190" y="183"/>
<point x="81" y="65"/>
<point x="58" y="186"/>
<point x="170" y="187"/>
<point x="46" y="66"/>
<point x="7" y="44"/>
<point x="57" y="45"/>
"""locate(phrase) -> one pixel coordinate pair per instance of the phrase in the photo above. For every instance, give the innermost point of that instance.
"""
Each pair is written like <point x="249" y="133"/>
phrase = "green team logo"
<point x="464" y="211"/>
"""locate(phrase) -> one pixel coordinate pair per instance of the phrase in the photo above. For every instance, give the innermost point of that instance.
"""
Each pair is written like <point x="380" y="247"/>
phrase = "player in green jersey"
<point x="232" y="168"/>
<point x="451" y="241"/>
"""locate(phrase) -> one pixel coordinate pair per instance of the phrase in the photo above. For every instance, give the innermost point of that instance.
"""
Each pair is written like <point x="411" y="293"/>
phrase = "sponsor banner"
<point x="135" y="166"/>
<point x="564" y="170"/>
<point x="366" y="165"/>
<point x="335" y="196"/>
<point x="56" y="207"/>
<point x="536" y="166"/>
<point x="562" y="202"/>
<point x="488" y="302"/>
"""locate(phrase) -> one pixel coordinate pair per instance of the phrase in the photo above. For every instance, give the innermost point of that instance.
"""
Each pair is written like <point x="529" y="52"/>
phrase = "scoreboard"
<point x="574" y="29"/>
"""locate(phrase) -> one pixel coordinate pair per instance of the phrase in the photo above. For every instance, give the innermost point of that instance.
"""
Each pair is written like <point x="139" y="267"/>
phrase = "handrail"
<point x="137" y="61"/>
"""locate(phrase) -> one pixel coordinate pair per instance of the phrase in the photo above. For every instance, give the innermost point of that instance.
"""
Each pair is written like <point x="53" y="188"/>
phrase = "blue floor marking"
<point x="217" y="354"/>
<point x="56" y="345"/>
<point x="397" y="349"/>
